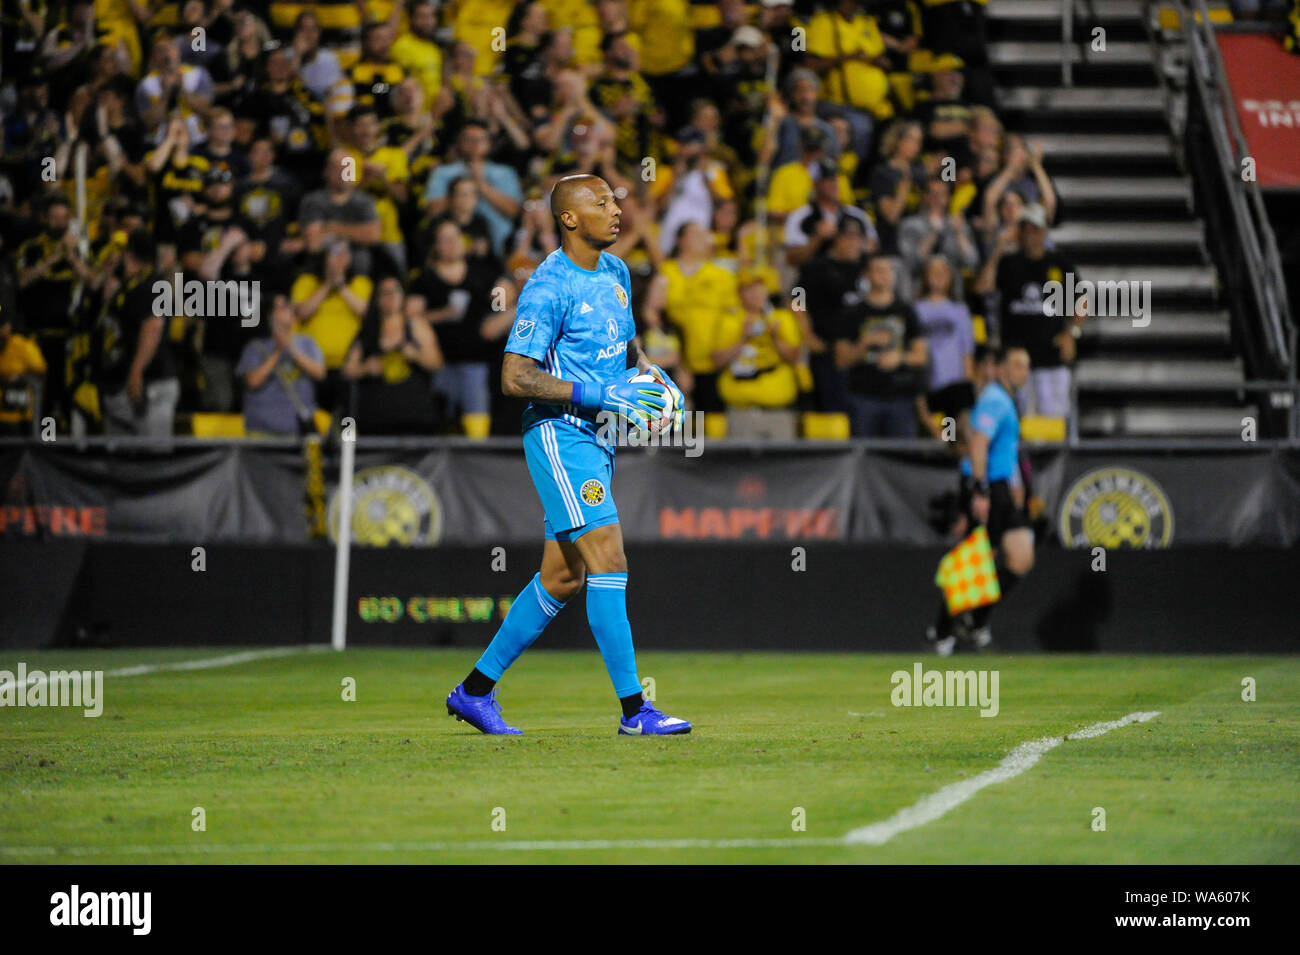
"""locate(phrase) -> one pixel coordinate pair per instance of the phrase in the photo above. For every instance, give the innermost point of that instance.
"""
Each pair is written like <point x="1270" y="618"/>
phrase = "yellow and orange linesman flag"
<point x="967" y="575"/>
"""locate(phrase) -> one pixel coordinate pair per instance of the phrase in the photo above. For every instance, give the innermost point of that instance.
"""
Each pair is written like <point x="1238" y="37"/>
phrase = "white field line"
<point x="950" y="797"/>
<point x="926" y="810"/>
<point x="205" y="663"/>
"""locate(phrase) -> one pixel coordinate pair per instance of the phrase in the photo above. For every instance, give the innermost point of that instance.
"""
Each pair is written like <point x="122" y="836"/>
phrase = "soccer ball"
<point x="665" y="421"/>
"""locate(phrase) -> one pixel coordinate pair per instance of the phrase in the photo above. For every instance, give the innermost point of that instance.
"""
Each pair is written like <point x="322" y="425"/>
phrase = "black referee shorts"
<point x="1003" y="514"/>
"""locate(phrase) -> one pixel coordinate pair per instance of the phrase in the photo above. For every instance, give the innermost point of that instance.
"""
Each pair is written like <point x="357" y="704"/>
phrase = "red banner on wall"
<point x="1265" y="83"/>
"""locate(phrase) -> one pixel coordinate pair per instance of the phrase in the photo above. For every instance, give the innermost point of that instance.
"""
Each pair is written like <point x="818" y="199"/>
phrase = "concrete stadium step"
<point x="1161" y="375"/>
<point x="1168" y="282"/>
<point x="1166" y="328"/>
<point x="1083" y="100"/>
<point x="1101" y="148"/>
<point x="1189" y="233"/>
<point x="1138" y="420"/>
<point x="1050" y="10"/>
<point x="1088" y="191"/>
<point x="1041" y="19"/>
<point x="1014" y="54"/>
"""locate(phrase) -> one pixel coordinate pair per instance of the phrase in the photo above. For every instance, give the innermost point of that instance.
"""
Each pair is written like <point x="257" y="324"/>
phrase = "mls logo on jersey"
<point x="611" y="327"/>
<point x="524" y="329"/>
<point x="621" y="295"/>
<point x="593" y="492"/>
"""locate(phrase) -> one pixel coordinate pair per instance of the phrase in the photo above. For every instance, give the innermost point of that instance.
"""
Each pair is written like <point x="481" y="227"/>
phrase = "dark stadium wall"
<point x="681" y="596"/>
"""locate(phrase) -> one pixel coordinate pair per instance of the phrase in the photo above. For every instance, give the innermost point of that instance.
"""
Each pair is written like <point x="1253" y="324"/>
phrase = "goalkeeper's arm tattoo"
<point x="522" y="377"/>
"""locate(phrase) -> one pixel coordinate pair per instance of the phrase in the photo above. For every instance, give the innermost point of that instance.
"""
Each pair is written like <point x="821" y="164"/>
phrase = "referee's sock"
<point x="607" y="614"/>
<point x="532" y="610"/>
<point x="1006" y="583"/>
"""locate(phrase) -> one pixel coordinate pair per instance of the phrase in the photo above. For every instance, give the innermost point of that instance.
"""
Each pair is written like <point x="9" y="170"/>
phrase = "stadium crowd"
<point x="822" y="211"/>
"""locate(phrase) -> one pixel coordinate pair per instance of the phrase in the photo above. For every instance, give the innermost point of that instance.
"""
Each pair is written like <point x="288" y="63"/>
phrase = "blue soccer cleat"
<point x="650" y="722"/>
<point x="481" y="712"/>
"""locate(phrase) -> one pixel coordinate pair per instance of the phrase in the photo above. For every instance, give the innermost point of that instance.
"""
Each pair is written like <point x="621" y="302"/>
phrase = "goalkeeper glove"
<point x="640" y="402"/>
<point x="679" y="400"/>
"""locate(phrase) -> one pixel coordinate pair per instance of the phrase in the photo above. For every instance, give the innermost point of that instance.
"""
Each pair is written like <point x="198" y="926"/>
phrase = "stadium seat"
<point x="1036" y="428"/>
<point x="825" y="426"/>
<point x="212" y="425"/>
<point x="323" y="420"/>
<point x="715" y="425"/>
<point x="476" y="426"/>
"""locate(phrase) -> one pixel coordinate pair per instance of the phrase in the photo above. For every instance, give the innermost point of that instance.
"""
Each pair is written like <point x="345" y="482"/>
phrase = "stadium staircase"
<point x="1126" y="213"/>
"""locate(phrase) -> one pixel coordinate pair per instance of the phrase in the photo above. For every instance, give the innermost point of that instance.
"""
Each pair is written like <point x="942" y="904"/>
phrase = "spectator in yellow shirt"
<point x="667" y="41"/>
<point x="416" y="52"/>
<point x="758" y="347"/>
<point x="330" y="307"/>
<point x="693" y="292"/>
<point x="849" y="54"/>
<point x="791" y="187"/>
<point x="382" y="172"/>
<point x="22" y="367"/>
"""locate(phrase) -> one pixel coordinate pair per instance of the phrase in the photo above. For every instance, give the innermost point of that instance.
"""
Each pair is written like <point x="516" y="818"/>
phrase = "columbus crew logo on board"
<point x="390" y="505"/>
<point x="1116" y="507"/>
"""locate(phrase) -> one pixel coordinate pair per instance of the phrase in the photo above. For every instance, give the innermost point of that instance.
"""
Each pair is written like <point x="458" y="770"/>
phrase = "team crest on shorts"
<point x="620" y="294"/>
<point x="592" y="492"/>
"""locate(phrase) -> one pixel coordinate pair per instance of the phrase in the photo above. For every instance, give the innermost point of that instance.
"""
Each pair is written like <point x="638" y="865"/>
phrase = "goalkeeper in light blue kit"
<point x="569" y="352"/>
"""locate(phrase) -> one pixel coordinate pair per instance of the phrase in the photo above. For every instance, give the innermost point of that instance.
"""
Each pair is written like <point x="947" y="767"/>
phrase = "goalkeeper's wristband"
<point x="586" y="394"/>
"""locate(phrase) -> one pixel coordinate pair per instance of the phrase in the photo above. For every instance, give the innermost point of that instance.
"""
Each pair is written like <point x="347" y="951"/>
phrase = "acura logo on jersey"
<point x="618" y="348"/>
<point x="611" y="326"/>
<point x="524" y="328"/>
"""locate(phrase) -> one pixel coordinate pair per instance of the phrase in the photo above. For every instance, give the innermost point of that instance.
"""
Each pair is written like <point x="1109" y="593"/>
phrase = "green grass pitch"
<point x="286" y="771"/>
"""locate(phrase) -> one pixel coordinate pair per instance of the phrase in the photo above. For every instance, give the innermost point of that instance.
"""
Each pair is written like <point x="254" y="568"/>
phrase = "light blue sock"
<point x="607" y="614"/>
<point x="532" y="610"/>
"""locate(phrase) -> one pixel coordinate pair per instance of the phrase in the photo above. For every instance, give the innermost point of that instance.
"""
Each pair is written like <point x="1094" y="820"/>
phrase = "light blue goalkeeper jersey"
<point x="577" y="324"/>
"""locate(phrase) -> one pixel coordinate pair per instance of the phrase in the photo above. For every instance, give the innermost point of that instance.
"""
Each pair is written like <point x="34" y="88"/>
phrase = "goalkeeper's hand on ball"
<point x="640" y="403"/>
<point x="679" y="400"/>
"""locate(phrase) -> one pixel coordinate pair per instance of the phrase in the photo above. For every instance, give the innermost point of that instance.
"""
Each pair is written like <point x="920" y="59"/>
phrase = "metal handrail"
<point x="1256" y="235"/>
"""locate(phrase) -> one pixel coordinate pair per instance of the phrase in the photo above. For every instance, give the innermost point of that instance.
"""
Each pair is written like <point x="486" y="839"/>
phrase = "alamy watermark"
<point x="209" y="299"/>
<point x="923" y="687"/>
<point x="130" y="909"/>
<point x="616" y="430"/>
<point x="76" y="688"/>
<point x="1112" y="299"/>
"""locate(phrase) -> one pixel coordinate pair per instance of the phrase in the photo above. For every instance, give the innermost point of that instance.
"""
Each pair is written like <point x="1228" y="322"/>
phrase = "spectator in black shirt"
<point x="960" y="27"/>
<point x="881" y="345"/>
<point x="117" y="138"/>
<point x="219" y="149"/>
<point x="392" y="361"/>
<point x="284" y="110"/>
<point x="266" y="201"/>
<point x="50" y="265"/>
<point x="946" y="117"/>
<point x="462" y="209"/>
<point x="810" y="229"/>
<point x="458" y="296"/>
<point x="897" y="181"/>
<point x="139" y="387"/>
<point x="900" y="27"/>
<point x="1027" y="321"/>
<point x="829" y="283"/>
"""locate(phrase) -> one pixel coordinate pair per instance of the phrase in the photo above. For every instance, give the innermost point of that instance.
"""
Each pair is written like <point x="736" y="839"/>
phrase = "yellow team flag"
<point x="967" y="575"/>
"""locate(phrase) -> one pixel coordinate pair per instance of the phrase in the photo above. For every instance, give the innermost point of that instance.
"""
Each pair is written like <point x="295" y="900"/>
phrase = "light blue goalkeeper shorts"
<point x="572" y="472"/>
